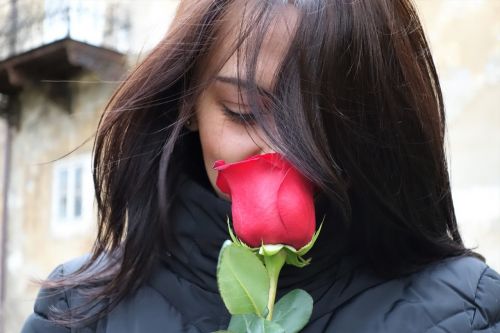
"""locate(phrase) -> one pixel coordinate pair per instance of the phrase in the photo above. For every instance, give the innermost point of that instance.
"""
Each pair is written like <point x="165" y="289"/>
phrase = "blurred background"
<point x="60" y="61"/>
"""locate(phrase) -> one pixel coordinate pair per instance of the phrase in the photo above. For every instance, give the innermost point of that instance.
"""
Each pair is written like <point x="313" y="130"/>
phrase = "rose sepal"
<point x="291" y="256"/>
<point x="294" y="257"/>
<point x="296" y="260"/>
<point x="302" y="251"/>
<point x="236" y="240"/>
<point x="269" y="250"/>
<point x="272" y="249"/>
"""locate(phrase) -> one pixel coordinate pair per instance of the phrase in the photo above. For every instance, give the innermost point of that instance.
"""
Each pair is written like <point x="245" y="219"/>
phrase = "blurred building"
<point x="60" y="61"/>
<point x="47" y="58"/>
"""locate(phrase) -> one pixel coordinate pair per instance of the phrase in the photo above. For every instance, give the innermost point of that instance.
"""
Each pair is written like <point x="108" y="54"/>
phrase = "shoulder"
<point x="457" y="273"/>
<point x="460" y="294"/>
<point x="48" y="300"/>
<point x="145" y="308"/>
<point x="480" y="287"/>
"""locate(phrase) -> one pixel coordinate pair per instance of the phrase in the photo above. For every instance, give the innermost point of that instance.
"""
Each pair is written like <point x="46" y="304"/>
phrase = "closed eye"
<point x="238" y="117"/>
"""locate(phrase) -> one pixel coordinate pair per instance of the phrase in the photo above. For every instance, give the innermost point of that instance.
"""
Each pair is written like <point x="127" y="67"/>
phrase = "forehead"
<point x="237" y="36"/>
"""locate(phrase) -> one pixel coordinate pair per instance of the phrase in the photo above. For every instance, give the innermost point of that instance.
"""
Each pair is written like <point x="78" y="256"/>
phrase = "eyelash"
<point x="241" y="118"/>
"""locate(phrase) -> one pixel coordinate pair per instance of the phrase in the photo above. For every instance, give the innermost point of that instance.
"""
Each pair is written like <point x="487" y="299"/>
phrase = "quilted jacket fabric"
<point x="456" y="295"/>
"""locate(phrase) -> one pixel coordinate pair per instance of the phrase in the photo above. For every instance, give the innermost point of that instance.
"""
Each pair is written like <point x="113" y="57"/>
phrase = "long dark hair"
<point x="358" y="95"/>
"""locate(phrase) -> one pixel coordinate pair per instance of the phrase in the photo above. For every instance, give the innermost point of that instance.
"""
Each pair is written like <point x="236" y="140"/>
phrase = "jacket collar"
<point x="199" y="219"/>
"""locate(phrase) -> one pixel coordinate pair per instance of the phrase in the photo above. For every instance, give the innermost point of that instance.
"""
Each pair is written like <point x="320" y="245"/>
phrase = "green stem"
<point x="273" y="264"/>
<point x="272" y="296"/>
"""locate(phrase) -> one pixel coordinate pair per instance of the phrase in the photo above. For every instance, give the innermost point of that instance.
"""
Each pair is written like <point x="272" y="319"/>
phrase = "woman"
<point x="348" y="93"/>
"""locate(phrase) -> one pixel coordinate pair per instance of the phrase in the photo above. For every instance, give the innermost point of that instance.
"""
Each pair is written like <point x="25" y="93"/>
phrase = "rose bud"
<point x="272" y="202"/>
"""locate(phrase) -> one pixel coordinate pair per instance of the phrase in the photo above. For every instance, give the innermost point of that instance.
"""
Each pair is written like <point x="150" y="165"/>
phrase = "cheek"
<point x="222" y="139"/>
<point x="222" y="142"/>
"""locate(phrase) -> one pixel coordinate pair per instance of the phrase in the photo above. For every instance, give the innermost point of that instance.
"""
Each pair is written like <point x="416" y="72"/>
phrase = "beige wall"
<point x="47" y="132"/>
<point x="465" y="41"/>
<point x="3" y="137"/>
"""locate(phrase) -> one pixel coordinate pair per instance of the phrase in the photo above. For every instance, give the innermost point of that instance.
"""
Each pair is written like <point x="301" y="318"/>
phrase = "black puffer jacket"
<point x="456" y="295"/>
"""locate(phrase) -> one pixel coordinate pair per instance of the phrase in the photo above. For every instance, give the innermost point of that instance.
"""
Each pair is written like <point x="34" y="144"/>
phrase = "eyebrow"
<point x="244" y="83"/>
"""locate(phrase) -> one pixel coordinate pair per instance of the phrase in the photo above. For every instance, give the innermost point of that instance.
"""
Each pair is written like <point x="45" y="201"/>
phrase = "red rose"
<point x="272" y="203"/>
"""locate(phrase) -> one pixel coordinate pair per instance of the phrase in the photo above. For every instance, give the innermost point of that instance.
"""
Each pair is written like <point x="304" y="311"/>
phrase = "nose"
<point x="265" y="149"/>
<point x="261" y="145"/>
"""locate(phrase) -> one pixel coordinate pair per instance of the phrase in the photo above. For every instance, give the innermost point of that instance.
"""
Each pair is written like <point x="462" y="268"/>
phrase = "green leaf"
<point x="250" y="323"/>
<point x="226" y="243"/>
<point x="243" y="281"/>
<point x="293" y="311"/>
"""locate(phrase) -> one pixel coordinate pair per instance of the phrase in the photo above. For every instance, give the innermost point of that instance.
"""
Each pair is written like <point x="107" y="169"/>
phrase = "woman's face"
<point x="224" y="135"/>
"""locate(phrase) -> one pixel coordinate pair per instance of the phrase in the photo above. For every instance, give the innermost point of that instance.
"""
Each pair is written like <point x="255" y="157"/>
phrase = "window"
<point x="73" y="195"/>
<point x="62" y="184"/>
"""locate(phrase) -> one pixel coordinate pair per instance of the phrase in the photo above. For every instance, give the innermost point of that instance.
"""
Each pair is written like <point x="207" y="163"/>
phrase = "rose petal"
<point x="271" y="201"/>
<point x="222" y="184"/>
<point x="296" y="208"/>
